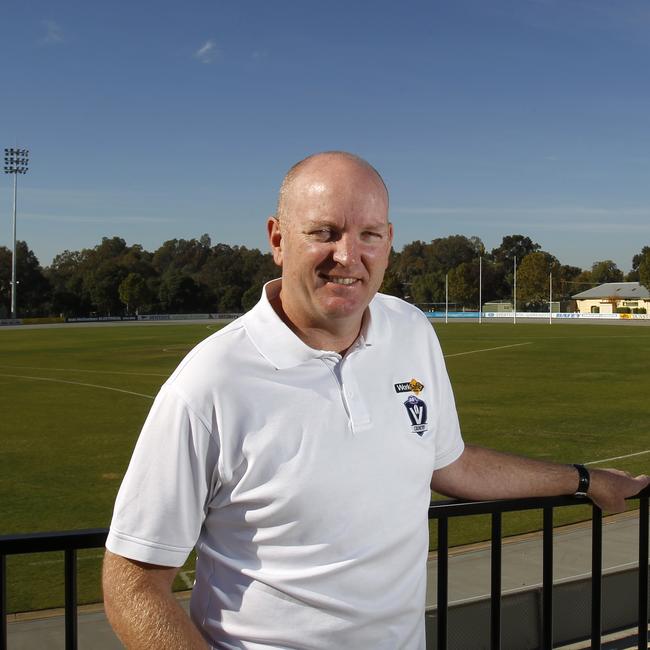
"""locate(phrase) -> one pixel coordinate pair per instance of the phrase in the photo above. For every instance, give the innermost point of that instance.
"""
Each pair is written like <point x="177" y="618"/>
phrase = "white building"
<point x="606" y="298"/>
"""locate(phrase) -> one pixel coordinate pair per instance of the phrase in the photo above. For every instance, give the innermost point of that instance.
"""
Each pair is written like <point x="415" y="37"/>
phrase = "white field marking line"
<point x="607" y="460"/>
<point x="77" y="383"/>
<point x="501" y="347"/>
<point x="578" y="576"/>
<point x="185" y="577"/>
<point x="99" y="372"/>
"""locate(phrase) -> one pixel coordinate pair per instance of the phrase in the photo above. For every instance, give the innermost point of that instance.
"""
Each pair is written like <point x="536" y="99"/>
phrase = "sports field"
<point x="73" y="399"/>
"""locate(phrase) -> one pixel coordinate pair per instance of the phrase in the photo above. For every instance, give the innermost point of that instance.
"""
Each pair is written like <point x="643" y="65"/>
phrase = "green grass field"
<point x="73" y="400"/>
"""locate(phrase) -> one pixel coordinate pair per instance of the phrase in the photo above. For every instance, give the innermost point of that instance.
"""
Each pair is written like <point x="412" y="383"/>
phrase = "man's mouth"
<point x="339" y="280"/>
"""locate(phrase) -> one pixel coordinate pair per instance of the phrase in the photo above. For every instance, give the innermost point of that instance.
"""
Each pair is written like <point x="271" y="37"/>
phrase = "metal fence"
<point x="72" y="541"/>
<point x="67" y="541"/>
<point x="444" y="510"/>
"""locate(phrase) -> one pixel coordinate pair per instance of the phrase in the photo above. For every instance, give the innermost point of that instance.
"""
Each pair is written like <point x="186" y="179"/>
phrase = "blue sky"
<point x="154" y="120"/>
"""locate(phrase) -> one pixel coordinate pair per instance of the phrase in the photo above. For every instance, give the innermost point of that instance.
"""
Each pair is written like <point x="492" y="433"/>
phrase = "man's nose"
<point x="345" y="252"/>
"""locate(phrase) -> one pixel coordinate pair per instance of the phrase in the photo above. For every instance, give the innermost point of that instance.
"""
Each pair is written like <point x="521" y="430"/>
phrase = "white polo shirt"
<point x="301" y="477"/>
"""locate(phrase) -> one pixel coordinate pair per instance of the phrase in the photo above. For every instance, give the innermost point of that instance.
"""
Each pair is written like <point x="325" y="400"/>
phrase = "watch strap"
<point x="583" y="480"/>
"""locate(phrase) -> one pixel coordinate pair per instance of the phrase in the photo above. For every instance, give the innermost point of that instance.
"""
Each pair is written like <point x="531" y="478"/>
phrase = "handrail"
<point x="71" y="541"/>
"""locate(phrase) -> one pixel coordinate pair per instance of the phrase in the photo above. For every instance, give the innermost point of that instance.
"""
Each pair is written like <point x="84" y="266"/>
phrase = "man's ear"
<point x="275" y="238"/>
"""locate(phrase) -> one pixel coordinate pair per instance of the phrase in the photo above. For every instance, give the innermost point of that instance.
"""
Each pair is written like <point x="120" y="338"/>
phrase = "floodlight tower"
<point x="16" y="162"/>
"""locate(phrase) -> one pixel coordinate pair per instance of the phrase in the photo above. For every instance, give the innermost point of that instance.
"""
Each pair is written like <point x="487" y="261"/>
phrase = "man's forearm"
<point x="142" y="609"/>
<point x="487" y="474"/>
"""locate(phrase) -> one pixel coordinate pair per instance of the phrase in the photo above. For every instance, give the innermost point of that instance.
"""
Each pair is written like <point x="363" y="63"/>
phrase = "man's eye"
<point x="322" y="234"/>
<point x="372" y="235"/>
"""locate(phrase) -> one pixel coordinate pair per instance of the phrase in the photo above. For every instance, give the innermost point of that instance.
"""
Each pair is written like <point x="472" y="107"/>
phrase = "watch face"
<point x="583" y="480"/>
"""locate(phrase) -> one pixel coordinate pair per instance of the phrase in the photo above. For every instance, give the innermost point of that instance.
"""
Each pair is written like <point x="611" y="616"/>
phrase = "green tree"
<point x="605" y="271"/>
<point x="177" y="292"/>
<point x="633" y="275"/>
<point x="102" y="284"/>
<point x="33" y="290"/>
<point x="426" y="289"/>
<point x="503" y="256"/>
<point x="391" y="285"/>
<point x="463" y="284"/>
<point x="533" y="279"/>
<point x="446" y="253"/>
<point x="514" y="246"/>
<point x="567" y="282"/>
<point x="65" y="274"/>
<point x="644" y="268"/>
<point x="134" y="292"/>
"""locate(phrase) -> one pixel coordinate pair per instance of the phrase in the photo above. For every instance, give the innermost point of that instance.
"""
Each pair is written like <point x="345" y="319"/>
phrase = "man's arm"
<point x="481" y="474"/>
<point x="142" y="609"/>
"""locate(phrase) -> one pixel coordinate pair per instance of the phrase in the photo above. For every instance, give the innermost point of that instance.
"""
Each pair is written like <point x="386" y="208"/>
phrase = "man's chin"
<point x="341" y="309"/>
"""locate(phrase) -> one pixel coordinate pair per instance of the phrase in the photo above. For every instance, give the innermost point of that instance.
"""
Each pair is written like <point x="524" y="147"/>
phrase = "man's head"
<point x="332" y="238"/>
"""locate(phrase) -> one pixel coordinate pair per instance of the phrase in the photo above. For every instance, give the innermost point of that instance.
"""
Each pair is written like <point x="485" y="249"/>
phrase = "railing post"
<point x="443" y="582"/>
<point x="547" y="580"/>
<point x="643" y="572"/>
<point x="596" y="576"/>
<point x="495" y="598"/>
<point x="70" y="599"/>
<point x="3" y="601"/>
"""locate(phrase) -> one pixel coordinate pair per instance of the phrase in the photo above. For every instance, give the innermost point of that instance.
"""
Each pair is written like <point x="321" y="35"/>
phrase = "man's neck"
<point x="338" y="334"/>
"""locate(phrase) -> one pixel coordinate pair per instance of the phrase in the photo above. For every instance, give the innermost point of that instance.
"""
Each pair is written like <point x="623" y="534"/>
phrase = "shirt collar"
<point x="279" y="345"/>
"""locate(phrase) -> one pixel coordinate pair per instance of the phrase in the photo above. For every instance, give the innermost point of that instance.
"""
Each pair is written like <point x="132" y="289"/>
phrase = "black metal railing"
<point x="443" y="510"/>
<point x="72" y="541"/>
<point x="67" y="541"/>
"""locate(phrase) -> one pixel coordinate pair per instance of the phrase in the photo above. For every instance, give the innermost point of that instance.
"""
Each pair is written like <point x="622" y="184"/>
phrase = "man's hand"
<point x="608" y="488"/>
<point x="142" y="609"/>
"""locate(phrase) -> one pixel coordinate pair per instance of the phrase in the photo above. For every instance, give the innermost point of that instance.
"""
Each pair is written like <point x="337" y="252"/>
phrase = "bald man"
<point x="295" y="449"/>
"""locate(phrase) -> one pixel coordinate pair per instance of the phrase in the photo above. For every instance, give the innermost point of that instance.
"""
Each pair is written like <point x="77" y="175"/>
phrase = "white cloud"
<point x="208" y="52"/>
<point x="53" y="33"/>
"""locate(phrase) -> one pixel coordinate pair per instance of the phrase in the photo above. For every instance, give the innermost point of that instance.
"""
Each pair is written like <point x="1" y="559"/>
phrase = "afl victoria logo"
<point x="417" y="412"/>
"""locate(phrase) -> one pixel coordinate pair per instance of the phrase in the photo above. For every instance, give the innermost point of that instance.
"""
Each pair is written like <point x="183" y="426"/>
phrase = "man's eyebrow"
<point x="324" y="222"/>
<point x="320" y="223"/>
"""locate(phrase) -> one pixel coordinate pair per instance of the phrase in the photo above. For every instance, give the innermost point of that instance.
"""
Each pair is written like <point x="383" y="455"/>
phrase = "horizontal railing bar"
<point x="54" y="541"/>
<point x="461" y="508"/>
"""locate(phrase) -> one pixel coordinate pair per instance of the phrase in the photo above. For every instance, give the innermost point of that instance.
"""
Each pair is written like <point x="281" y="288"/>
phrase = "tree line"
<point x="194" y="276"/>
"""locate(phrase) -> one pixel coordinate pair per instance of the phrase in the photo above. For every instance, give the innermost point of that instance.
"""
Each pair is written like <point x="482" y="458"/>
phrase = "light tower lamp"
<point x="16" y="162"/>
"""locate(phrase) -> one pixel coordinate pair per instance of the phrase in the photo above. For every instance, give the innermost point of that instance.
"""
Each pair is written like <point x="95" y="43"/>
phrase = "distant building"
<point x="498" y="306"/>
<point x="608" y="297"/>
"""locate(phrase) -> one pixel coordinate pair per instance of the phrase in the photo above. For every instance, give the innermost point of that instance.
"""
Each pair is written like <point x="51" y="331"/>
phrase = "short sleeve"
<point x="165" y="493"/>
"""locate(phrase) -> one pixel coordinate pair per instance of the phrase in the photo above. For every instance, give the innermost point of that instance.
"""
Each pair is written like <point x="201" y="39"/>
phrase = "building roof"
<point x="622" y="290"/>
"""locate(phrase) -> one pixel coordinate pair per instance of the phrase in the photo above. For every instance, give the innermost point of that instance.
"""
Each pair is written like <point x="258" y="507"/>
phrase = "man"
<point x="296" y="449"/>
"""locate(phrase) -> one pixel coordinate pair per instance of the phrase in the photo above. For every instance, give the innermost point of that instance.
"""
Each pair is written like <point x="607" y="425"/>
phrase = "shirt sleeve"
<point x="164" y="496"/>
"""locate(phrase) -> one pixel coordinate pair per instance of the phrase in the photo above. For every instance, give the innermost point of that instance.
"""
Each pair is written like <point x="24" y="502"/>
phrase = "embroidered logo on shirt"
<point x="409" y="386"/>
<point x="417" y="411"/>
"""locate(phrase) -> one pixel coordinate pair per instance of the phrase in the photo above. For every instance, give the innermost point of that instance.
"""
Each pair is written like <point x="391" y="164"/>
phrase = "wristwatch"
<point x="583" y="480"/>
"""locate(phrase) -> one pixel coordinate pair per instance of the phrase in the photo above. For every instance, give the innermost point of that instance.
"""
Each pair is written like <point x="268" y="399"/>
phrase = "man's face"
<point x="332" y="243"/>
